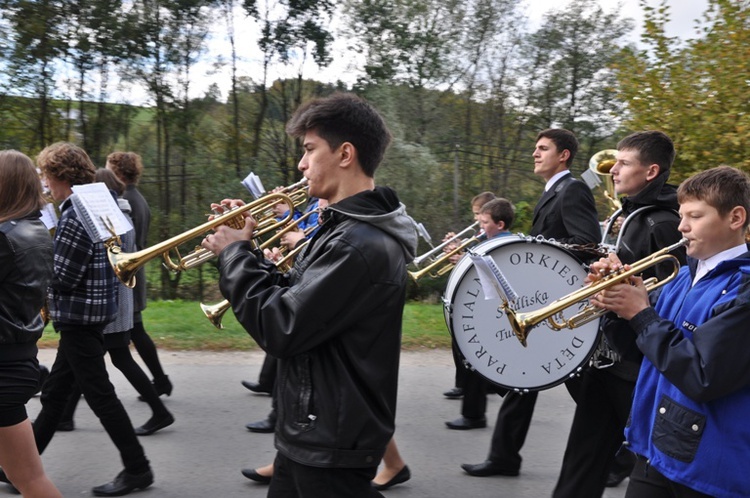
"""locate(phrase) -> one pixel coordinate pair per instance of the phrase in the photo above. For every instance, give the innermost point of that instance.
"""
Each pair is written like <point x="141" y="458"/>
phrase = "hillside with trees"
<point x="465" y="87"/>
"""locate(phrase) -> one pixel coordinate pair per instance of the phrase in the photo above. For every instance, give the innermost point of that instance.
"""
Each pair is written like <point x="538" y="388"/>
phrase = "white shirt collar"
<point x="554" y="179"/>
<point x="706" y="265"/>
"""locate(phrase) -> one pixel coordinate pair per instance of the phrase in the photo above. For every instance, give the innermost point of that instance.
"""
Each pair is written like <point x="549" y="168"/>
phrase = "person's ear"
<point x="348" y="153"/>
<point x="737" y="217"/>
<point x="653" y="172"/>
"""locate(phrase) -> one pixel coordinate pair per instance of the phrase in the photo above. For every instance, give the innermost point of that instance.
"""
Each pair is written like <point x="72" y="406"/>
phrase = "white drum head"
<point x="540" y="273"/>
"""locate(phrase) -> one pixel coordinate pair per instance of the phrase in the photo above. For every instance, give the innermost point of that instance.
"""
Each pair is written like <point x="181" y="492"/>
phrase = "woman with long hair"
<point x="25" y="272"/>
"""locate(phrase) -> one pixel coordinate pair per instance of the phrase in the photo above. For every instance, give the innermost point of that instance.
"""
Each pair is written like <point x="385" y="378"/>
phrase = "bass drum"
<point x="539" y="272"/>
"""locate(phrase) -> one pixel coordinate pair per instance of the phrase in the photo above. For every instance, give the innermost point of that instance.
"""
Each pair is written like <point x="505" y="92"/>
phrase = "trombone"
<point x="298" y="195"/>
<point x="441" y="265"/>
<point x="521" y="323"/>
<point x="125" y="265"/>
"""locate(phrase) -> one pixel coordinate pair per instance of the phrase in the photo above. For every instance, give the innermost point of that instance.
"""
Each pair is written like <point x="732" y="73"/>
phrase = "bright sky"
<point x="683" y="16"/>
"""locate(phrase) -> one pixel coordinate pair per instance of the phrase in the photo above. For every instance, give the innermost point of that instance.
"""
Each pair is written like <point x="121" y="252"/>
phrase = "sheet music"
<point x="494" y="283"/>
<point x="253" y="184"/>
<point x="49" y="216"/>
<point x="99" y="211"/>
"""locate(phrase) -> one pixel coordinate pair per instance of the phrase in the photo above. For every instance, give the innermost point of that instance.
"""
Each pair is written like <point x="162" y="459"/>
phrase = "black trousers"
<point x="602" y="410"/>
<point x="267" y="375"/>
<point x="294" y="480"/>
<point x="146" y="349"/>
<point x="474" y="402"/>
<point x="80" y="359"/>
<point x="458" y="360"/>
<point x="647" y="482"/>
<point x="513" y="421"/>
<point x="123" y="360"/>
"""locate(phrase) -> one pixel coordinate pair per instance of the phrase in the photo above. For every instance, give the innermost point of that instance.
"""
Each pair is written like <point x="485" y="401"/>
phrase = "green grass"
<point x="181" y="325"/>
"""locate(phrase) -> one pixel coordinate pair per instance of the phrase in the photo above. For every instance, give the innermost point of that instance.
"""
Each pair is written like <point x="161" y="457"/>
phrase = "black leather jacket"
<point x="25" y="272"/>
<point x="334" y="323"/>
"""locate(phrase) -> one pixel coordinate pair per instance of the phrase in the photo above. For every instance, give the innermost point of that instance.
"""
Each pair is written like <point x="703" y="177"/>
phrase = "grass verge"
<point x="181" y="325"/>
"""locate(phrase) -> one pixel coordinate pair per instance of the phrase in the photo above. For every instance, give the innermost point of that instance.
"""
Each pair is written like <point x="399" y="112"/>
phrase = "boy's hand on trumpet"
<point x="626" y="299"/>
<point x="224" y="235"/>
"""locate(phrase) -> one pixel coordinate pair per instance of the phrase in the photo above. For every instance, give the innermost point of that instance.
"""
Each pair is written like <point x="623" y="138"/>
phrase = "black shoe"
<point x="66" y="426"/>
<point x="464" y="424"/>
<point x="253" y="475"/>
<point x="255" y="387"/>
<point x="264" y="426"/>
<point x="162" y="385"/>
<point x="4" y="478"/>
<point x="487" y="468"/>
<point x="455" y="393"/>
<point x="402" y="476"/>
<point x="154" y="424"/>
<point x="615" y="478"/>
<point x="125" y="483"/>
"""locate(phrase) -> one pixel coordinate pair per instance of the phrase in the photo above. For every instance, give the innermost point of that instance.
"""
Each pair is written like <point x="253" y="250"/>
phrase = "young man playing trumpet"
<point x="640" y="174"/>
<point x="688" y="423"/>
<point x="334" y="320"/>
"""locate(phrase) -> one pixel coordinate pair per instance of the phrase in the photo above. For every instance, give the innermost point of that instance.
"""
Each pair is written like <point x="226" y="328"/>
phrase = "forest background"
<point x="464" y="86"/>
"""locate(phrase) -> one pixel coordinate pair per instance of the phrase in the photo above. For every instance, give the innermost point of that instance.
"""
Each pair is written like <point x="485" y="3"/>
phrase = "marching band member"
<point x="334" y="320"/>
<point x="25" y="272"/>
<point x="83" y="299"/>
<point x="457" y="391"/>
<point x="640" y="173"/>
<point x="688" y="423"/>
<point x="566" y="212"/>
<point x="495" y="219"/>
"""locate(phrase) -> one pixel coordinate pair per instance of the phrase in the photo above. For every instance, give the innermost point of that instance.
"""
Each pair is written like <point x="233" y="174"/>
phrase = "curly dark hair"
<point x="66" y="162"/>
<point x="126" y="165"/>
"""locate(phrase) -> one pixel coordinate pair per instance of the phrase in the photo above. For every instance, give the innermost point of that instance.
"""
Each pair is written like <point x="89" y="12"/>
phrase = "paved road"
<point x="202" y="453"/>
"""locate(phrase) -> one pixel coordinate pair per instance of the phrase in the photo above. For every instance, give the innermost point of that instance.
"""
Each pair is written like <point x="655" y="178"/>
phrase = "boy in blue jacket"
<point x="689" y="427"/>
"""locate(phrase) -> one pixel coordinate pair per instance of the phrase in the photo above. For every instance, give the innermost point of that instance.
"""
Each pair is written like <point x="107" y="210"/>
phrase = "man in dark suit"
<point x="566" y="212"/>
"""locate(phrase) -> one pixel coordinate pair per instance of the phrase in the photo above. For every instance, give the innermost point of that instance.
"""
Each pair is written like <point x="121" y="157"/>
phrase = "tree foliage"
<point x="697" y="92"/>
<point x="464" y="86"/>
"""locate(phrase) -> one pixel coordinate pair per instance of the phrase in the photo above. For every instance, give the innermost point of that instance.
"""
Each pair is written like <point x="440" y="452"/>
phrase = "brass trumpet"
<point x="297" y="193"/>
<point x="521" y="323"/>
<point x="125" y="265"/>
<point x="439" y="266"/>
<point x="289" y="227"/>
<point x="215" y="312"/>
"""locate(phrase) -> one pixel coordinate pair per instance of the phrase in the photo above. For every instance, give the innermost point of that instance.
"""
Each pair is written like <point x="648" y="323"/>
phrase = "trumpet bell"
<point x="215" y="312"/>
